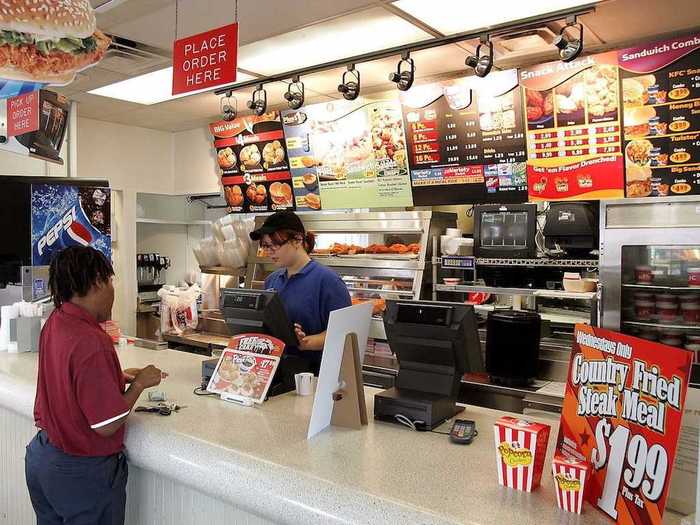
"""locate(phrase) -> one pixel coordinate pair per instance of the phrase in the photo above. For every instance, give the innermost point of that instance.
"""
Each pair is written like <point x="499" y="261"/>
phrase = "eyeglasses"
<point x="271" y="247"/>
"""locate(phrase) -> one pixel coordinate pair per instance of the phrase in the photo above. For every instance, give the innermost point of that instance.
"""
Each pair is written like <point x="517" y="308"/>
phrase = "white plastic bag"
<point x="178" y="309"/>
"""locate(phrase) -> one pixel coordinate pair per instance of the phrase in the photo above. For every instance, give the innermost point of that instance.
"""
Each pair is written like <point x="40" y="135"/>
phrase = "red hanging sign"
<point x="205" y="60"/>
<point x="23" y="114"/>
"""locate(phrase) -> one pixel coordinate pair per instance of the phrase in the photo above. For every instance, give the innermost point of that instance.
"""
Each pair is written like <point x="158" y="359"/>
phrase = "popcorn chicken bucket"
<point x="570" y="476"/>
<point x="521" y="447"/>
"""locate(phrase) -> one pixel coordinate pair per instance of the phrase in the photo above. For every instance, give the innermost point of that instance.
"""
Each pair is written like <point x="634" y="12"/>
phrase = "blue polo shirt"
<point x="309" y="297"/>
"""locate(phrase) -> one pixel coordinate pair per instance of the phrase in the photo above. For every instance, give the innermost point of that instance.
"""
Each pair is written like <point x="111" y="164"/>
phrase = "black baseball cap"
<point x="280" y="220"/>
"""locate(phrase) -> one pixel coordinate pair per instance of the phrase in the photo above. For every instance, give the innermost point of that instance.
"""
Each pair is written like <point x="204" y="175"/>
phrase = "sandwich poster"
<point x="253" y="163"/>
<point x="47" y="42"/>
<point x="574" y="135"/>
<point x="465" y="140"/>
<point x="348" y="155"/>
<point x="622" y="412"/>
<point x="661" y="97"/>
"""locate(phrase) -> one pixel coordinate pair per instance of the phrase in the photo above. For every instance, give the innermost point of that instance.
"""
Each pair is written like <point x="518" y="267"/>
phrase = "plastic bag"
<point x="178" y="309"/>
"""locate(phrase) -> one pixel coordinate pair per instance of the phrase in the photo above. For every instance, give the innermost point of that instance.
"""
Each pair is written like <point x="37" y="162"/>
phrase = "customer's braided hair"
<point x="75" y="270"/>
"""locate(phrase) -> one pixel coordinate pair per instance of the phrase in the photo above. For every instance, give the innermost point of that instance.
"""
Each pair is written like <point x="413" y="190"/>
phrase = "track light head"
<point x="258" y="101"/>
<point x="228" y="109"/>
<point x="349" y="86"/>
<point x="295" y="94"/>
<point x="481" y="64"/>
<point x="405" y="73"/>
<point x="569" y="49"/>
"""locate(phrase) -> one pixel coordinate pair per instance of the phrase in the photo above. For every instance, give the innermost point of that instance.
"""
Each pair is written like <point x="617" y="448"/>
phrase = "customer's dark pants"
<point x="75" y="490"/>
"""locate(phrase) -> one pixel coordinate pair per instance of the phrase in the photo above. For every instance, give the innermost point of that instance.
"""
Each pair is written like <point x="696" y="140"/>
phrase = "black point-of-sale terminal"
<point x="435" y="344"/>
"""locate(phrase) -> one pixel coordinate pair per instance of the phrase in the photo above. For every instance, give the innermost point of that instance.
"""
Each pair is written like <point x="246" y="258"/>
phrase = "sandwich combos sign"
<point x="622" y="414"/>
<point x="661" y="98"/>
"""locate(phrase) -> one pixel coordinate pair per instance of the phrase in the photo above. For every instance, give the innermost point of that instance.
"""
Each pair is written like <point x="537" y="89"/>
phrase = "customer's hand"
<point x="301" y="335"/>
<point x="313" y="342"/>
<point x="130" y="374"/>
<point x="148" y="377"/>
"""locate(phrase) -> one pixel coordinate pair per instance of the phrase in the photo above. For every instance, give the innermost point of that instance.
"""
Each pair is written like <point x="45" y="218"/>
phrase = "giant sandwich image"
<point x="48" y="40"/>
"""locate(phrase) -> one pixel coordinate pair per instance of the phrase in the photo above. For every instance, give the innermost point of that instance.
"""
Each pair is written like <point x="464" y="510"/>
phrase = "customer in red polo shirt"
<point x="75" y="466"/>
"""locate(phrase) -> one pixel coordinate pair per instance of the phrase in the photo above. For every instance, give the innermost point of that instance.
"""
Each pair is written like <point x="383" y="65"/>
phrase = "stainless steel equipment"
<point x="659" y="237"/>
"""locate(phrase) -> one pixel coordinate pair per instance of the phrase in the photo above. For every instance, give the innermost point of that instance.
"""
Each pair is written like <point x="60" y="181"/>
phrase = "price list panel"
<point x="661" y="82"/>
<point x="574" y="135"/>
<point x="467" y="145"/>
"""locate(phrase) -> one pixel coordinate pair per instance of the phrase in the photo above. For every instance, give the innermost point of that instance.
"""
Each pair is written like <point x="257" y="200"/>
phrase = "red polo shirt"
<point x="80" y="384"/>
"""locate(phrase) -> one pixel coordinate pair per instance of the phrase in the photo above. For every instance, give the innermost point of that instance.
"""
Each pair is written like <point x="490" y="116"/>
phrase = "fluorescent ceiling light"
<point x="345" y="36"/>
<point x="150" y="88"/>
<point x="450" y="17"/>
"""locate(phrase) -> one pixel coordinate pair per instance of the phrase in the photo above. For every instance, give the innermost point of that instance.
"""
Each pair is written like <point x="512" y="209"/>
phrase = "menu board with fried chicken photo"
<point x="348" y="155"/>
<point x="247" y="366"/>
<point x="465" y="140"/>
<point x="574" y="139"/>
<point x="661" y="97"/>
<point x="252" y="159"/>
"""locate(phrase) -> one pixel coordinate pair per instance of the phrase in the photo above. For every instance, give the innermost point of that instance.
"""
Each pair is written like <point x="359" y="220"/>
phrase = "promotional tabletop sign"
<point x="47" y="42"/>
<point x="65" y="215"/>
<point x="574" y="149"/>
<point x="252" y="158"/>
<point x="570" y="477"/>
<point x="205" y="60"/>
<point x="465" y="140"/>
<point x="247" y="366"/>
<point x="622" y="412"/>
<point x="661" y="95"/>
<point x="348" y="155"/>
<point x="521" y="447"/>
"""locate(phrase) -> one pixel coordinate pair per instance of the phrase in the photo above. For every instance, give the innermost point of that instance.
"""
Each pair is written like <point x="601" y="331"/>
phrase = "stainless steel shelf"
<point x="652" y="324"/>
<point x="566" y="263"/>
<point x="556" y="294"/>
<point x="222" y="270"/>
<point x="379" y="291"/>
<point x="660" y="287"/>
<point x="409" y="264"/>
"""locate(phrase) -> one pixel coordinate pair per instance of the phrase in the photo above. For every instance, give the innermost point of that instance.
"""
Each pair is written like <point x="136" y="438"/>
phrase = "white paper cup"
<point x="453" y="232"/>
<point x="304" y="383"/>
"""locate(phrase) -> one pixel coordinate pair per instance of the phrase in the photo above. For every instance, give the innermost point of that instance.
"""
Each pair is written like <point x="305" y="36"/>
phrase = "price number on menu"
<point x="451" y="148"/>
<point x="471" y="146"/>
<point x="452" y="159"/>
<point x="450" y="137"/>
<point x="632" y="465"/>
<point x="470" y="123"/>
<point x="546" y="154"/>
<point x="607" y="129"/>
<point x="469" y="158"/>
<point x="470" y="134"/>
<point x="451" y="125"/>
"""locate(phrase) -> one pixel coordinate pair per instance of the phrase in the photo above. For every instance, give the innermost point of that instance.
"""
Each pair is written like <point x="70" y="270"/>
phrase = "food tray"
<point x="391" y="256"/>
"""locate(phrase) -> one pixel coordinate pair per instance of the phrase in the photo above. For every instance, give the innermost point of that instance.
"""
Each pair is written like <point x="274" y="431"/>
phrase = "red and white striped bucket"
<point x="570" y="476"/>
<point x="521" y="447"/>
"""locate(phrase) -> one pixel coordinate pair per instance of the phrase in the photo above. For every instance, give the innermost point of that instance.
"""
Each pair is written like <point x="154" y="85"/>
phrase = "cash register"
<point x="262" y="312"/>
<point x="435" y="344"/>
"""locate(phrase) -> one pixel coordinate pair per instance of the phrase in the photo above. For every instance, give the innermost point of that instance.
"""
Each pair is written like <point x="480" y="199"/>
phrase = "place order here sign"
<point x="205" y="60"/>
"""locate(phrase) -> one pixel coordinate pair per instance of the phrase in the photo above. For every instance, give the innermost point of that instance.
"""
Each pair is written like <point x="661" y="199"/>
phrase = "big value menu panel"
<point x="661" y="96"/>
<point x="348" y="155"/>
<point x="465" y="140"/>
<point x="253" y="161"/>
<point x="574" y="138"/>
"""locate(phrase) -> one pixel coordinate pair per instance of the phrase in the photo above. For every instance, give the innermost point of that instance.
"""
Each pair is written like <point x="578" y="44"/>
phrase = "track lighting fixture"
<point x="569" y="49"/>
<point x="405" y="72"/>
<point x="258" y="101"/>
<point x="350" y="83"/>
<point x="481" y="64"/>
<point x="228" y="110"/>
<point x="295" y="93"/>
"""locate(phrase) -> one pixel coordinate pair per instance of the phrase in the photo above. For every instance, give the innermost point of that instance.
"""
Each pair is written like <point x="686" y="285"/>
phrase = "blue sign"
<point x="65" y="215"/>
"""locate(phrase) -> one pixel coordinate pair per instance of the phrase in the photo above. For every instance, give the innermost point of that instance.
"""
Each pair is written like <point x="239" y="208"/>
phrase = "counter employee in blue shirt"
<point x="309" y="290"/>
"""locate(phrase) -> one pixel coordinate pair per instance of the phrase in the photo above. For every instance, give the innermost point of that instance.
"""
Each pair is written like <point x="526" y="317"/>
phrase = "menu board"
<point x="348" y="155"/>
<point x="253" y="161"/>
<point x="622" y="412"/>
<point x="574" y="139"/>
<point x="465" y="140"/>
<point x="661" y="96"/>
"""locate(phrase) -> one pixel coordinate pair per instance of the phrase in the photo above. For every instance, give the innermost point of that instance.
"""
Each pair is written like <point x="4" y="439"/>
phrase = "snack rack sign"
<point x="622" y="413"/>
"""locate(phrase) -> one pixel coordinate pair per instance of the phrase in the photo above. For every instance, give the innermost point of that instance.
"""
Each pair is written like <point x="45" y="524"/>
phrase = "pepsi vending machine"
<point x="39" y="216"/>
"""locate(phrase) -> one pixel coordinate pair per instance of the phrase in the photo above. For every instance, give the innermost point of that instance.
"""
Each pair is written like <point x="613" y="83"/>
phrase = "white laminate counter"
<point x="259" y="461"/>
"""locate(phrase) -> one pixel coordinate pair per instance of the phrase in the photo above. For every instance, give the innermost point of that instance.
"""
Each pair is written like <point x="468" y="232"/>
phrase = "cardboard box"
<point x="521" y="447"/>
<point x="570" y="477"/>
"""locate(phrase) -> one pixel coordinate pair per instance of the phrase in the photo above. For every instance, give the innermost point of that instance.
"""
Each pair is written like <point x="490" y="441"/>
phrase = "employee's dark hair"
<point x="75" y="270"/>
<point x="307" y="239"/>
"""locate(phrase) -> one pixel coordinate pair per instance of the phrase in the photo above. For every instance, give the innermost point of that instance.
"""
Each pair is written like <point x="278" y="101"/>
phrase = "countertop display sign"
<point x="348" y="155"/>
<point x="205" y="60"/>
<point x="23" y="114"/>
<point x="622" y="412"/>
<point x="252" y="158"/>
<point x="661" y="95"/>
<point x="465" y="140"/>
<point x="574" y="148"/>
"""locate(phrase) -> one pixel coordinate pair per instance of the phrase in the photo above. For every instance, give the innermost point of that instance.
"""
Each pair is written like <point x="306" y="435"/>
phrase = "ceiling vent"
<point x="132" y="58"/>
